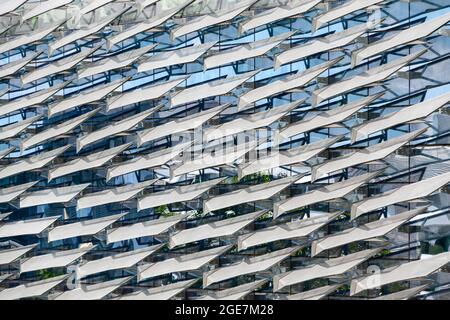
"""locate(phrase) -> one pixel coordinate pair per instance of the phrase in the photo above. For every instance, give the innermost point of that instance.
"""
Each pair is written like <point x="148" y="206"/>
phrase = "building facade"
<point x="220" y="149"/>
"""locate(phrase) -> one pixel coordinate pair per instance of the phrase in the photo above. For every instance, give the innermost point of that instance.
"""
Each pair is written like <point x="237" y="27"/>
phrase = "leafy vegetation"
<point x="46" y="274"/>
<point x="259" y="177"/>
<point x="266" y="215"/>
<point x="436" y="249"/>
<point x="164" y="211"/>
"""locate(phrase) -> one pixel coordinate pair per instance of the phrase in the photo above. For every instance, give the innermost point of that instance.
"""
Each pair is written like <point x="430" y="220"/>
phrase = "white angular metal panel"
<point x="324" y="269"/>
<point x="82" y="228"/>
<point x="234" y="293"/>
<point x="212" y="19"/>
<point x="401" y="38"/>
<point x="180" y="125"/>
<point x="31" y="289"/>
<point x="405" y="193"/>
<point x="403" y="294"/>
<point x="323" y="44"/>
<point x="326" y="193"/>
<point x="160" y="17"/>
<point x="90" y="161"/>
<point x="245" y="51"/>
<point x="177" y="194"/>
<point x="314" y="294"/>
<point x="290" y="230"/>
<point x="215" y="158"/>
<point x="7" y="151"/>
<point x="14" y="129"/>
<point x="27" y="38"/>
<point x="323" y="119"/>
<point x="150" y="160"/>
<point x="210" y="89"/>
<point x="415" y="269"/>
<point x="115" y="62"/>
<point x="113" y="195"/>
<point x="279" y="12"/>
<point x="367" y="231"/>
<point x="9" y="255"/>
<point x="182" y="263"/>
<point x="48" y="196"/>
<point x="92" y="5"/>
<point x="118" y="127"/>
<point x="84" y="97"/>
<point x="162" y="113"/>
<point x="245" y="123"/>
<point x="416" y="111"/>
<point x="10" y="193"/>
<point x="288" y="83"/>
<point x="11" y="68"/>
<point x="247" y="266"/>
<point x="30" y="100"/>
<point x="92" y="291"/>
<point x="159" y="293"/>
<point x="174" y="57"/>
<point x="116" y="261"/>
<point x="366" y="78"/>
<point x="57" y="66"/>
<point x="142" y="94"/>
<point x="54" y="259"/>
<point x="286" y="157"/>
<point x="143" y="229"/>
<point x="339" y="12"/>
<point x="257" y="192"/>
<point x="43" y="7"/>
<point x="4" y="91"/>
<point x="220" y="228"/>
<point x="83" y="33"/>
<point x="372" y="153"/>
<point x="55" y="131"/>
<point x="11" y="5"/>
<point x="31" y="163"/>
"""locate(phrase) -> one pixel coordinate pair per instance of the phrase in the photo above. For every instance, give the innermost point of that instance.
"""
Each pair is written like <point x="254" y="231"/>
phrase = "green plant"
<point x="436" y="249"/>
<point x="46" y="274"/>
<point x="164" y="211"/>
